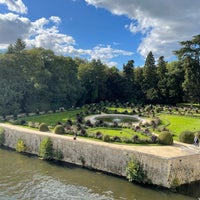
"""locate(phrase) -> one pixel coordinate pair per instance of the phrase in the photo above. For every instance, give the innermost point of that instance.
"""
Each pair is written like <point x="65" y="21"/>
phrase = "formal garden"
<point x="122" y="123"/>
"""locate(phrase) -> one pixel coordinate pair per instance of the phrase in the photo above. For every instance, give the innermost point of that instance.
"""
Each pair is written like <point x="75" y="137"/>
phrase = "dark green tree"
<point x="114" y="86"/>
<point x="128" y="81"/>
<point x="139" y="78"/>
<point x="150" y="78"/>
<point x="93" y="78"/>
<point x="175" y="79"/>
<point x="13" y="85"/>
<point x="162" y="80"/>
<point x="189" y="55"/>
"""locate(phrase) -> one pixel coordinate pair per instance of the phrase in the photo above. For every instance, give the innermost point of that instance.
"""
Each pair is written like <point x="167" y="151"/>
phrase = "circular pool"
<point x="115" y="118"/>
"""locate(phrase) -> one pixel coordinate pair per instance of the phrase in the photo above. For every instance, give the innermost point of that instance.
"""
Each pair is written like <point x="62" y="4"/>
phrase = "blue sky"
<point x="114" y="31"/>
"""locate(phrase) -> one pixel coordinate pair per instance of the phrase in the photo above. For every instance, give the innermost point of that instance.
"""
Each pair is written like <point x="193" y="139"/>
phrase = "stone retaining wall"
<point x="109" y="157"/>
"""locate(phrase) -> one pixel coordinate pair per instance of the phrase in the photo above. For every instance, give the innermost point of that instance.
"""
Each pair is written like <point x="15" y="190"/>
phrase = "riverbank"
<point x="165" y="165"/>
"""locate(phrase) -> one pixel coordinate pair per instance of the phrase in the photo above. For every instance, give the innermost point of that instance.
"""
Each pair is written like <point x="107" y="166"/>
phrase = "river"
<point x="25" y="178"/>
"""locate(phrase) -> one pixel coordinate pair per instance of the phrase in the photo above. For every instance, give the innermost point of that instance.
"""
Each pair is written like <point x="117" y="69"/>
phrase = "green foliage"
<point x="106" y="138"/>
<point x="20" y="146"/>
<point x="46" y="149"/>
<point x="59" y="129"/>
<point x="43" y="127"/>
<point x="2" y="136"/>
<point x="165" y="138"/>
<point x="186" y="137"/>
<point x="58" y="154"/>
<point x="189" y="55"/>
<point x="175" y="183"/>
<point x="135" y="172"/>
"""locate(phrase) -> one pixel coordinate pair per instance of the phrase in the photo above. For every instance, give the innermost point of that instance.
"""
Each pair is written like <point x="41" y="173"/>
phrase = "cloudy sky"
<point x="114" y="31"/>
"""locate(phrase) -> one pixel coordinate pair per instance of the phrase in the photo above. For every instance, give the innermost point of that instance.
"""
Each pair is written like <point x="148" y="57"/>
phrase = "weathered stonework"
<point x="112" y="158"/>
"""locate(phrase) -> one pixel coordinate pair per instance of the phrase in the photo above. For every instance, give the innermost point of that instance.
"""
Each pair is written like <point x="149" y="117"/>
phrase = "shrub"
<point x="166" y="138"/>
<point x="117" y="139"/>
<point x="106" y="138"/>
<point x="135" y="172"/>
<point x="59" y="129"/>
<point x="83" y="132"/>
<point x="46" y="149"/>
<point x="2" y="137"/>
<point x="186" y="137"/>
<point x="99" y="135"/>
<point x="20" y="146"/>
<point x="135" y="138"/>
<point x="154" y="139"/>
<point x="43" y="127"/>
<point x="58" y="154"/>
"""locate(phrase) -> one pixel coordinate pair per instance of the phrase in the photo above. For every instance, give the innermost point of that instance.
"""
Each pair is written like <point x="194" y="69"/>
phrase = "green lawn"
<point x="176" y="123"/>
<point x="53" y="118"/>
<point x="120" y="132"/>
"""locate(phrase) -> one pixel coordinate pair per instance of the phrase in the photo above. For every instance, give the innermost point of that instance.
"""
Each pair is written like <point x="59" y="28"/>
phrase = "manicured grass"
<point x="176" y="123"/>
<point x="120" y="132"/>
<point x="53" y="118"/>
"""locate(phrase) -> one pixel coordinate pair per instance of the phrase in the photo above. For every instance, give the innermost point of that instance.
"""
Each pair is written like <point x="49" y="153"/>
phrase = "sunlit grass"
<point x="177" y="124"/>
<point x="120" y="132"/>
<point x="53" y="118"/>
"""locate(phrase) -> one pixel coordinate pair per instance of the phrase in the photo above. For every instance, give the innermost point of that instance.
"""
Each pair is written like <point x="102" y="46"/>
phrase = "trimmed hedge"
<point x="187" y="137"/>
<point x="43" y="127"/>
<point x="165" y="138"/>
<point x="59" y="129"/>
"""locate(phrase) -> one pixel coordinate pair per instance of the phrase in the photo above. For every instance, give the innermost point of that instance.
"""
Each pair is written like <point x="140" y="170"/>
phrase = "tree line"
<point x="38" y="80"/>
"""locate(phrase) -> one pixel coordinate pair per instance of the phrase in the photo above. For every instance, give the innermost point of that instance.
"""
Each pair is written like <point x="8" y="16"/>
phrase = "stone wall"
<point x="109" y="157"/>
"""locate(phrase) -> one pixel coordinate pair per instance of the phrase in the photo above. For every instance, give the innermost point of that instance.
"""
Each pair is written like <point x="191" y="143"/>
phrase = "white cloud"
<point x="106" y="53"/>
<point x="12" y="27"/>
<point x="55" y="19"/>
<point x="15" y="5"/>
<point x="162" y="23"/>
<point x="45" y="33"/>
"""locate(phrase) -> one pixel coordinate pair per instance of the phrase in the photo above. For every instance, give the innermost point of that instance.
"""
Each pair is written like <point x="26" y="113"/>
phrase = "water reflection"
<point x="25" y="178"/>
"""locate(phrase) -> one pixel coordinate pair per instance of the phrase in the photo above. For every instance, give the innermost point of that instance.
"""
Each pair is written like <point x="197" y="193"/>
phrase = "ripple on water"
<point x="45" y="187"/>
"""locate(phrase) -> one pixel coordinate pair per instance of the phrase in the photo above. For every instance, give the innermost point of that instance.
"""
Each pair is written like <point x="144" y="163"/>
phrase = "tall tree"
<point x="175" y="79"/>
<point x="13" y="86"/>
<point x="150" y="78"/>
<point x="18" y="47"/>
<point x="93" y="78"/>
<point x="162" y="80"/>
<point x="128" y="81"/>
<point x="189" y="55"/>
<point x="114" y="85"/>
<point x="128" y="70"/>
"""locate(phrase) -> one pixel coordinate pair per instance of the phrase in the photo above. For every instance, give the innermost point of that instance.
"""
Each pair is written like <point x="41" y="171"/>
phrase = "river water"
<point x="26" y="178"/>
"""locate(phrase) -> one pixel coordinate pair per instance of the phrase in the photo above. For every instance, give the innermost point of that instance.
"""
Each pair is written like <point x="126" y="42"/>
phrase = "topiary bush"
<point x="106" y="138"/>
<point x="2" y="137"/>
<point x="186" y="137"/>
<point x="43" y="127"/>
<point x="20" y="146"/>
<point x="46" y="149"/>
<point x="165" y="138"/>
<point x="59" y="129"/>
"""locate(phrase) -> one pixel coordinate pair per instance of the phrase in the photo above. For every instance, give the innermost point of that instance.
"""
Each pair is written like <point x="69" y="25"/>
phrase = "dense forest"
<point x="38" y="80"/>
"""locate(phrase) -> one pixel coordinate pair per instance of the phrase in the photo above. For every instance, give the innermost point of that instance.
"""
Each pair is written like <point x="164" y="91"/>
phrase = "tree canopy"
<point x="37" y="79"/>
